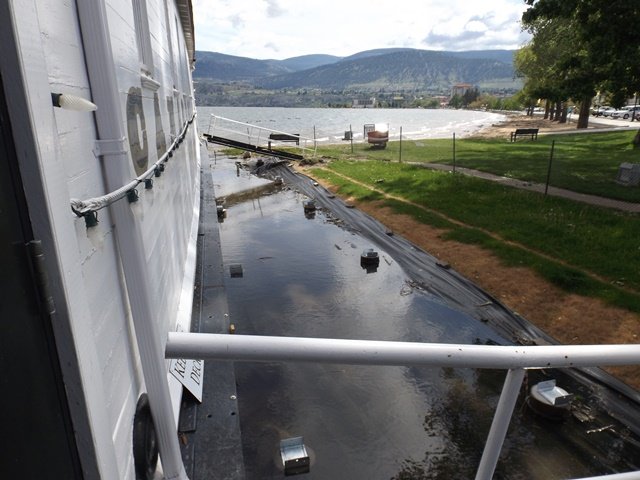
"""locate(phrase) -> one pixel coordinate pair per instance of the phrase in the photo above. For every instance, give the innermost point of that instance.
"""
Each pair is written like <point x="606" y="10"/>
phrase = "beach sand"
<point x="513" y="121"/>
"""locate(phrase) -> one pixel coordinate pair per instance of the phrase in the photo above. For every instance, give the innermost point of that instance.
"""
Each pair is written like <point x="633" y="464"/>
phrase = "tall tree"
<point x="603" y="44"/>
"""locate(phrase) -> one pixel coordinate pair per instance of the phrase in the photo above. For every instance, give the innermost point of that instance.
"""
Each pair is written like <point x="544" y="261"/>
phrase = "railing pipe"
<point x="369" y="352"/>
<point x="500" y="424"/>
<point x="615" y="476"/>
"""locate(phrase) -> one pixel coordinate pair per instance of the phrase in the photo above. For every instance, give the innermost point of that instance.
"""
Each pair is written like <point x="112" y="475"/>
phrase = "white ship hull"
<point x="103" y="302"/>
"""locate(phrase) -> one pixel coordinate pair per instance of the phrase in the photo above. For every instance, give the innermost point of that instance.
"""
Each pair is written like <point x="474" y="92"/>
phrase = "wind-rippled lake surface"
<point x="327" y="125"/>
<point x="302" y="277"/>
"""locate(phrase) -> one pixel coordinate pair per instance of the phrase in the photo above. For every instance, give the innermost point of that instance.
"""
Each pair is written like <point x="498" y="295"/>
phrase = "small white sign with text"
<point x="189" y="373"/>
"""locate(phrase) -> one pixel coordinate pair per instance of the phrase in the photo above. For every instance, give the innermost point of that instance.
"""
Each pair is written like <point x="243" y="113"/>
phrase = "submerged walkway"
<point x="539" y="188"/>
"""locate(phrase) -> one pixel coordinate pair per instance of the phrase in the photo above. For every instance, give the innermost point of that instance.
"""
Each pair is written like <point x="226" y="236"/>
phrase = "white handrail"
<point x="370" y="352"/>
<point x="215" y="120"/>
<point x="218" y="117"/>
<point x="513" y="358"/>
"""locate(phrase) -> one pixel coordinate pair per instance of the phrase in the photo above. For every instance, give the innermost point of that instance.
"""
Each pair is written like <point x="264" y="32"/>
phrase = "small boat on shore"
<point x="377" y="134"/>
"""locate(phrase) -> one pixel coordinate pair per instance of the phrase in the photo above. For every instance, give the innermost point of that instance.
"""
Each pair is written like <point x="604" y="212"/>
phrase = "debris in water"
<point x="295" y="458"/>
<point x="309" y="205"/>
<point x="235" y="271"/>
<point x="601" y="429"/>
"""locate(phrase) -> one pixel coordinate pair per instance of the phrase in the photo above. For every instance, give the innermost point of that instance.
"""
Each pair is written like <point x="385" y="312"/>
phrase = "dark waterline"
<point x="302" y="277"/>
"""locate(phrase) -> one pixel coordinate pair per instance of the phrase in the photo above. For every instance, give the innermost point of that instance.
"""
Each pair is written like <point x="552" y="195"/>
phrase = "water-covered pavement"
<point x="301" y="276"/>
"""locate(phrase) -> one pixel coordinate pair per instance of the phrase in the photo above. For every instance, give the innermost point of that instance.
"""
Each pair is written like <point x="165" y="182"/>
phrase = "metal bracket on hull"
<point x="110" y="147"/>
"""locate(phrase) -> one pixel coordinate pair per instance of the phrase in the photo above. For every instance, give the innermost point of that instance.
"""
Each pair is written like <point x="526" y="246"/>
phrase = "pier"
<point x="252" y="138"/>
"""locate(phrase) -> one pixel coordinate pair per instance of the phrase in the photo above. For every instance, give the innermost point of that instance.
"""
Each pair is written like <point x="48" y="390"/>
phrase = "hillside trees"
<point x="580" y="47"/>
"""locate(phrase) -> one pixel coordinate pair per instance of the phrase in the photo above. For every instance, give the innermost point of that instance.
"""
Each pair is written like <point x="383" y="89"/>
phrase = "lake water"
<point x="327" y="125"/>
<point x="302" y="277"/>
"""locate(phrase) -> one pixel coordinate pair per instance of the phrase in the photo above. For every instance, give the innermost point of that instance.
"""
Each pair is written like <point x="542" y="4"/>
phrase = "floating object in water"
<point x="295" y="458"/>
<point x="309" y="205"/>
<point x="549" y="401"/>
<point x="235" y="271"/>
<point x="370" y="260"/>
<point x="369" y="255"/>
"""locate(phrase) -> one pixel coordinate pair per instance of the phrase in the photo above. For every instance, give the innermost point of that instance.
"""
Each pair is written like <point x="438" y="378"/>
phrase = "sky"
<point x="279" y="29"/>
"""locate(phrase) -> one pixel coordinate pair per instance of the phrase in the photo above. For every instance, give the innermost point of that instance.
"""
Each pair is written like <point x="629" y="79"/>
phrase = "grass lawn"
<point x="586" y="163"/>
<point x="566" y="242"/>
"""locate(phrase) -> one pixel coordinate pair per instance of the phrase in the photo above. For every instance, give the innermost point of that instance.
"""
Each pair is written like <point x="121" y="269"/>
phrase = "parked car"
<point x="603" y="111"/>
<point x="625" y="112"/>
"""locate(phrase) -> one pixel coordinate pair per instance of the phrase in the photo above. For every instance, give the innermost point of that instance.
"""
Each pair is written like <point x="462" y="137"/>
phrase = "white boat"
<point x="100" y="204"/>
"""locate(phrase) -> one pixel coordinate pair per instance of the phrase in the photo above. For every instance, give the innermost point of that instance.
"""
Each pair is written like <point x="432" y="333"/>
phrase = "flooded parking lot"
<point x="301" y="276"/>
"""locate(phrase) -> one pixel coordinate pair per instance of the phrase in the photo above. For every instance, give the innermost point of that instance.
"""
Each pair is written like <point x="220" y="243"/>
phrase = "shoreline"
<point x="512" y="121"/>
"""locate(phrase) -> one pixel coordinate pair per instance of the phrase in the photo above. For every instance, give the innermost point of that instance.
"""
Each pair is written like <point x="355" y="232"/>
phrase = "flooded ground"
<point x="301" y="276"/>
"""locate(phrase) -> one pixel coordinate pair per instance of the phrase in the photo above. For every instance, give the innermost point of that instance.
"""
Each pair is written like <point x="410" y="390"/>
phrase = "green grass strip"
<point x="586" y="163"/>
<point x="563" y="241"/>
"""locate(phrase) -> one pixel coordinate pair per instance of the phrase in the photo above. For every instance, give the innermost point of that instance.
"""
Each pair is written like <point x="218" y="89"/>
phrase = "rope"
<point x="84" y="208"/>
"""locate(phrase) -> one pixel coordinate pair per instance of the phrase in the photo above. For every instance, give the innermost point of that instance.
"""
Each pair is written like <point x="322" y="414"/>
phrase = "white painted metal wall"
<point x="92" y="282"/>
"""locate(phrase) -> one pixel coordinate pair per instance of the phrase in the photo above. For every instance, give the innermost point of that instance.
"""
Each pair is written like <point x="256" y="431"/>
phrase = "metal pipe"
<point x="500" y="424"/>
<point x="615" y="476"/>
<point x="104" y="88"/>
<point x="367" y="352"/>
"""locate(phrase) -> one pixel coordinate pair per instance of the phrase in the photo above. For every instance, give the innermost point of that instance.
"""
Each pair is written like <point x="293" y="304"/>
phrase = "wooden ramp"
<point x="227" y="142"/>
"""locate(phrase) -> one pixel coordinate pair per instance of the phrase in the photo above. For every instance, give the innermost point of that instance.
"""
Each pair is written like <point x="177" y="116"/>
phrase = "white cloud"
<point x="274" y="9"/>
<point x="287" y="28"/>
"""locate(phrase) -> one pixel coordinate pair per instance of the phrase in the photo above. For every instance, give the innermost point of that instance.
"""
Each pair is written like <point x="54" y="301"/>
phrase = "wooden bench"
<point x="284" y="137"/>
<point x="523" y="132"/>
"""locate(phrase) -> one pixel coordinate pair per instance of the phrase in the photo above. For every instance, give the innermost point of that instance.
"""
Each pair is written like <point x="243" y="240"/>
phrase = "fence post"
<point x="454" y="152"/>
<point x="400" y="159"/>
<point x="546" y="187"/>
<point x="351" y="136"/>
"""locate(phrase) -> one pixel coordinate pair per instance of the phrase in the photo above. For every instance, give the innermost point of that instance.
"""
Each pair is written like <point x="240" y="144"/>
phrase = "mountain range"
<point x="390" y="69"/>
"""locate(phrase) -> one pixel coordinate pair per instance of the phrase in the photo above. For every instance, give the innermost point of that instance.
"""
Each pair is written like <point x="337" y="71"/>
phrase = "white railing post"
<point x="500" y="424"/>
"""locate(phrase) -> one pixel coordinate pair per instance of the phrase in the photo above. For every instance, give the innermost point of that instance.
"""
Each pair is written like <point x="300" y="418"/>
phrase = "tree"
<point x="601" y="50"/>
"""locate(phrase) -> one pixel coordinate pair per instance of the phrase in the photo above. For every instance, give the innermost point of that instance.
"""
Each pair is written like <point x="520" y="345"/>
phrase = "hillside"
<point x="400" y="70"/>
<point x="228" y="68"/>
<point x="393" y="68"/>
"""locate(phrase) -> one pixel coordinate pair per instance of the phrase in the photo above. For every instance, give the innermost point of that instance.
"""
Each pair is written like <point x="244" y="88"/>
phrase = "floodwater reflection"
<point x="303" y="277"/>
